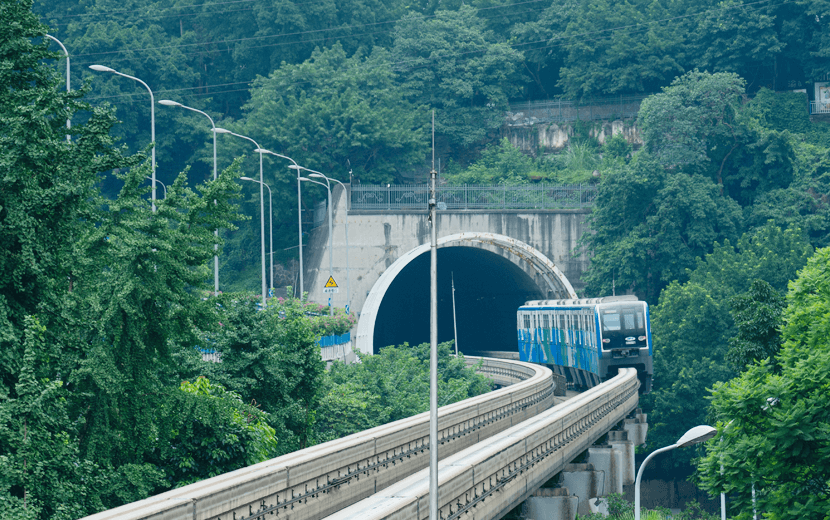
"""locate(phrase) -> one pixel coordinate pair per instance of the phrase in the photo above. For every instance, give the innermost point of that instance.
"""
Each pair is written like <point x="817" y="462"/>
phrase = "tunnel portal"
<point x="488" y="290"/>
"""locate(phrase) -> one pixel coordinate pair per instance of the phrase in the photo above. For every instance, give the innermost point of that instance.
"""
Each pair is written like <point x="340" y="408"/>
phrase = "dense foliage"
<point x="104" y="395"/>
<point x="774" y="423"/>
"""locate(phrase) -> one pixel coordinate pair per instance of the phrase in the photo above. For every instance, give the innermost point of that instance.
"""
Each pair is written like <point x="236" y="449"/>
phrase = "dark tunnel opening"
<point x="488" y="290"/>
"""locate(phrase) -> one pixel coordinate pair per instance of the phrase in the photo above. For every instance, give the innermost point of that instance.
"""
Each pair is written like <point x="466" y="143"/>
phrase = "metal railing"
<point x="819" y="107"/>
<point x="563" y="110"/>
<point x="415" y="197"/>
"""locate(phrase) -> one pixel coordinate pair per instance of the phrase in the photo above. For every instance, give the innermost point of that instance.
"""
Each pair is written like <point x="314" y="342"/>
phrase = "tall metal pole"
<point x="348" y="274"/>
<point x="300" y="227"/>
<point x="260" y="151"/>
<point x="433" y="339"/>
<point x="170" y="103"/>
<point x="454" y="326"/>
<point x="262" y="226"/>
<point x="295" y="166"/>
<point x="271" y="224"/>
<point x="331" y="241"/>
<point x="331" y="246"/>
<point x="101" y="68"/>
<point x="68" y="121"/>
<point x="215" y="231"/>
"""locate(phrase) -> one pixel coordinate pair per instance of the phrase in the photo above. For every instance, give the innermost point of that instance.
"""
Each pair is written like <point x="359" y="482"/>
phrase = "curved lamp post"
<point x="101" y="68"/>
<point x="271" y="218"/>
<point x="348" y="274"/>
<point x="163" y="187"/>
<point x="68" y="121"/>
<point x="328" y="189"/>
<point x="261" y="203"/>
<point x="694" y="436"/>
<point x="169" y="103"/>
<point x="299" y="209"/>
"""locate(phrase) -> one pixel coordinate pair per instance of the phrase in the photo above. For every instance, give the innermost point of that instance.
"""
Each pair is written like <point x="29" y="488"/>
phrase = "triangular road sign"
<point x="331" y="282"/>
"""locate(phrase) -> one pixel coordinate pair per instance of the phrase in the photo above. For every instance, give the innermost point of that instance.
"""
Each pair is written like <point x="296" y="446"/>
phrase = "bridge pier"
<point x="580" y="488"/>
<point x="551" y="504"/>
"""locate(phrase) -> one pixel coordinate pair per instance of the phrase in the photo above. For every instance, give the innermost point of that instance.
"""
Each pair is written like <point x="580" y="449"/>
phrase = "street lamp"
<point x="162" y="185"/>
<point x="170" y="103"/>
<point x="696" y="435"/>
<point x="271" y="212"/>
<point x="348" y="274"/>
<point x="261" y="203"/>
<point x="101" y="68"/>
<point x="299" y="209"/>
<point x="68" y="122"/>
<point x="328" y="189"/>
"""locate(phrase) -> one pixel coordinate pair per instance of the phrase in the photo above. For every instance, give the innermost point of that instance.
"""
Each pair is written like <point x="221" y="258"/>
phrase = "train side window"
<point x="546" y="321"/>
<point x="527" y="321"/>
<point x="640" y="320"/>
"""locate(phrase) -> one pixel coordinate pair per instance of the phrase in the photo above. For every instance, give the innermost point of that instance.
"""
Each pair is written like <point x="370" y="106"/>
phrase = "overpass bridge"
<point x="496" y="450"/>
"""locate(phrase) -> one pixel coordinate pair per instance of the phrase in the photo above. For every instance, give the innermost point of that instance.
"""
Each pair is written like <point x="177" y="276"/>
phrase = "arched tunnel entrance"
<point x="488" y="290"/>
<point x="492" y="287"/>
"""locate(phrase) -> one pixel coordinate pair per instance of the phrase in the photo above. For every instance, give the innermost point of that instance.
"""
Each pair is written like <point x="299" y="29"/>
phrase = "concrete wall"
<point x="377" y="239"/>
<point x="552" y="137"/>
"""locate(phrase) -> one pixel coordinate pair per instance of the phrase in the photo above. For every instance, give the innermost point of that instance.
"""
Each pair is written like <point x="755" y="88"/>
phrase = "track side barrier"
<point x="490" y="478"/>
<point x="322" y="479"/>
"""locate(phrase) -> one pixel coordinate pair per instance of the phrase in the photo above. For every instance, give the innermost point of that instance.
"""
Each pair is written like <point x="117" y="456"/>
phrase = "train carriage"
<point x="588" y="339"/>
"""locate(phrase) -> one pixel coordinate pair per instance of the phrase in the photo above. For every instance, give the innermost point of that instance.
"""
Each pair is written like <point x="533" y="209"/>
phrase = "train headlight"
<point x="606" y="340"/>
<point x="642" y="338"/>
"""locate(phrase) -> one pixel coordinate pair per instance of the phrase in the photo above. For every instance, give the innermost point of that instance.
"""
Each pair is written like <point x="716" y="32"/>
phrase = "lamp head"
<point x="246" y="178"/>
<point x="295" y="167"/>
<point x="221" y="131"/>
<point x="305" y="179"/>
<point x="696" y="435"/>
<point x="317" y="175"/>
<point x="101" y="68"/>
<point x="262" y="150"/>
<point x="169" y="103"/>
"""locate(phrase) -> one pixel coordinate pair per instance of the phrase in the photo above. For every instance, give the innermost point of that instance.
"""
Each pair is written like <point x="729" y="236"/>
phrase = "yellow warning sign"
<point x="331" y="282"/>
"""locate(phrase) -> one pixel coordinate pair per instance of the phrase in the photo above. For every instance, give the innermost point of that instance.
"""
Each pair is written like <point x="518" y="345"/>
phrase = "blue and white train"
<point x="587" y="340"/>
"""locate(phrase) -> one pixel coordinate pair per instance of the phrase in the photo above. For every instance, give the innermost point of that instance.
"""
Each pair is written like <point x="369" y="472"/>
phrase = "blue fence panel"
<point x="330" y="341"/>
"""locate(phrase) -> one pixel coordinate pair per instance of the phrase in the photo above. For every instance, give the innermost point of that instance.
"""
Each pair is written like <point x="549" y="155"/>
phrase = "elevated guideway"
<point x="323" y="479"/>
<point x="488" y="479"/>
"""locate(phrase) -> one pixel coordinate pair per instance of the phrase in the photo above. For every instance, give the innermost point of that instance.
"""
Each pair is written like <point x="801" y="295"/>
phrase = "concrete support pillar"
<point x="609" y="461"/>
<point x="551" y="504"/>
<point x="583" y="481"/>
<point x="618" y="440"/>
<point x="637" y="427"/>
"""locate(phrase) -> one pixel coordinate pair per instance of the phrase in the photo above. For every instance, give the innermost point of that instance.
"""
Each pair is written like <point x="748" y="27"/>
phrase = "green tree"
<point x="336" y="110"/>
<point x="390" y="386"/>
<point x="757" y="316"/>
<point x="683" y="124"/>
<point x="733" y="37"/>
<point x="692" y="325"/>
<point x="448" y="62"/>
<point x="773" y="427"/>
<point x="501" y="163"/>
<point x="210" y="431"/>
<point x="271" y="358"/>
<point x="604" y="54"/>
<point x="650" y="225"/>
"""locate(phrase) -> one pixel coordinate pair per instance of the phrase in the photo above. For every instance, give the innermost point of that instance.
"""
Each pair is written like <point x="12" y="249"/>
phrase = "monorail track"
<point x="324" y="479"/>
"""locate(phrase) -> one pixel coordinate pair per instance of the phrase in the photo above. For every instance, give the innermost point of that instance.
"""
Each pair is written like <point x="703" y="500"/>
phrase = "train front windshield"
<point x="623" y="326"/>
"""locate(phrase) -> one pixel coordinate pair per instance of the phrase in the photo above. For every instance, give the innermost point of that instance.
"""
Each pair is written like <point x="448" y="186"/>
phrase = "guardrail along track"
<point x="323" y="479"/>
<point x="487" y="479"/>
